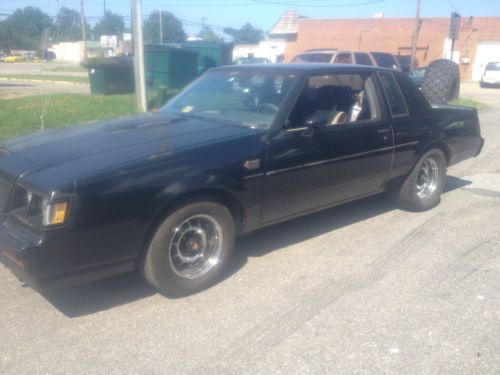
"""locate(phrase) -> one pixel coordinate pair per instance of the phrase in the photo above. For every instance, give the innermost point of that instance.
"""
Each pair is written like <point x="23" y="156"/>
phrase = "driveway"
<point x="362" y="288"/>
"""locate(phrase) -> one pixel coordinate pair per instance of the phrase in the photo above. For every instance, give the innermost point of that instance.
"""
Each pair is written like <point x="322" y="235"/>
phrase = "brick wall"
<point x="394" y="35"/>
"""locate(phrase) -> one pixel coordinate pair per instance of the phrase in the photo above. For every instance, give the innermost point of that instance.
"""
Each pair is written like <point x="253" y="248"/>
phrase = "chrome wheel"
<point x="427" y="178"/>
<point x="195" y="246"/>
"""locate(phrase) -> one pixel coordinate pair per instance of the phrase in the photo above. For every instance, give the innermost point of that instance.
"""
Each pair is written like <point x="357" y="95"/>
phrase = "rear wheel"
<point x="423" y="187"/>
<point x="190" y="248"/>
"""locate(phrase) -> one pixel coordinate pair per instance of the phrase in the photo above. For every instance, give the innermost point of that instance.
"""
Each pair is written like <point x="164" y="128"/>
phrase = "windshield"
<point x="243" y="97"/>
<point x="313" y="58"/>
<point x="493" y="66"/>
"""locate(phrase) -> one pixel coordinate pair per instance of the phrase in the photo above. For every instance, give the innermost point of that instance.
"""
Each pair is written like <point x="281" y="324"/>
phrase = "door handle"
<point x="383" y="131"/>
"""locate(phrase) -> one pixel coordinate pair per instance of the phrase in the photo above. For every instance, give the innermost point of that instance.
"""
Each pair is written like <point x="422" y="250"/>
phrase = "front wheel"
<point x="423" y="187"/>
<point x="189" y="250"/>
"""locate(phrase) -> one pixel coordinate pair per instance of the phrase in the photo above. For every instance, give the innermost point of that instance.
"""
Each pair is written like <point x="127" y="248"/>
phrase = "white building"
<point x="272" y="49"/>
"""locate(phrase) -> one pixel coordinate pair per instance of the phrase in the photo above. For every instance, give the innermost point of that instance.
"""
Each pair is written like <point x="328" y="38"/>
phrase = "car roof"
<point x="319" y="50"/>
<point x="308" y="68"/>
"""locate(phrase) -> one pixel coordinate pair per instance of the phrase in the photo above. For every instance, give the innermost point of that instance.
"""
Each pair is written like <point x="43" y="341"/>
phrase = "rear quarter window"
<point x="393" y="94"/>
<point x="362" y="59"/>
<point x="416" y="102"/>
<point x="343" y="58"/>
<point x="385" y="60"/>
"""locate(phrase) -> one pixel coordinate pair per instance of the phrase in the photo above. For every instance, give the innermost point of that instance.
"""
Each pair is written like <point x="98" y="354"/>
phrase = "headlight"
<point x="54" y="213"/>
<point x="34" y="209"/>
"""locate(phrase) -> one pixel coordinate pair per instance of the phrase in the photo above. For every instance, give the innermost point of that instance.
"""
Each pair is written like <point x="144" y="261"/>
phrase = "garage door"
<point x="487" y="51"/>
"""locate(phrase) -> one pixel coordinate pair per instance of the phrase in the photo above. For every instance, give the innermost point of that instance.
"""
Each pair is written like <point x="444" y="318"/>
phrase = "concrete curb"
<point x="44" y="81"/>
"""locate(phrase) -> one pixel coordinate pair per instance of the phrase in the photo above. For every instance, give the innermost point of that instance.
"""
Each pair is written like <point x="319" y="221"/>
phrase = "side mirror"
<point x="318" y="119"/>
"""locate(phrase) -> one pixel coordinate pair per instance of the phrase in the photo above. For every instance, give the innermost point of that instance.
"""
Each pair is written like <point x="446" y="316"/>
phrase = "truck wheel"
<point x="441" y="82"/>
<point x="190" y="248"/>
<point x="423" y="187"/>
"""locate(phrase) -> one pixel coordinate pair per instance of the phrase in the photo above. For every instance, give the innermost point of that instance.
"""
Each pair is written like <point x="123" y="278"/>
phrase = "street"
<point x="37" y="68"/>
<point x="16" y="88"/>
<point x="362" y="288"/>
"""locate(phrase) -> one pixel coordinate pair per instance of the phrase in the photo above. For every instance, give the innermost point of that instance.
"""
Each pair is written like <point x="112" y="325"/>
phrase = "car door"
<point x="311" y="165"/>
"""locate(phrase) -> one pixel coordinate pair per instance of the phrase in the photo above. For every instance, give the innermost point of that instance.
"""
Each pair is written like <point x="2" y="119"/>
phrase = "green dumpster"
<point x="169" y="66"/>
<point x="167" y="69"/>
<point x="111" y="78"/>
<point x="210" y="54"/>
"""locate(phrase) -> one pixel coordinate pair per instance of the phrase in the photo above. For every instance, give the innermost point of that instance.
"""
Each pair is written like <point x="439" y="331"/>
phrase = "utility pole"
<point x="414" y="38"/>
<point x="104" y="7"/>
<point x="140" y="82"/>
<point x="84" y="38"/>
<point x="161" y="27"/>
<point x="57" y="3"/>
<point x="454" y="30"/>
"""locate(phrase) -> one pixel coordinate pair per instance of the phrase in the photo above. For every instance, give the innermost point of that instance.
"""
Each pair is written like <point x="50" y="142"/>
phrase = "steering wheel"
<point x="269" y="108"/>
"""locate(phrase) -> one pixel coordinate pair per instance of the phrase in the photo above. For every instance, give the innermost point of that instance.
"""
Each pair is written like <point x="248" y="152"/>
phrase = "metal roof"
<point x="287" y="23"/>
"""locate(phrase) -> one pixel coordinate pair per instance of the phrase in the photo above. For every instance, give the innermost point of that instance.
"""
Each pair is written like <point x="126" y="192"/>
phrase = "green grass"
<point x="469" y="103"/>
<point x="22" y="116"/>
<point x="46" y="77"/>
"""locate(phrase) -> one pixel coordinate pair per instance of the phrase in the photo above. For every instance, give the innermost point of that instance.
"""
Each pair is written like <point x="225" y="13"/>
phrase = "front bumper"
<point x="490" y="81"/>
<point x="43" y="261"/>
<point x="481" y="145"/>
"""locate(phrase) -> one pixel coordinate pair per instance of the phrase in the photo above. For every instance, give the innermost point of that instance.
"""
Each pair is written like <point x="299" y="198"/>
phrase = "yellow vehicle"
<point x="14" y="58"/>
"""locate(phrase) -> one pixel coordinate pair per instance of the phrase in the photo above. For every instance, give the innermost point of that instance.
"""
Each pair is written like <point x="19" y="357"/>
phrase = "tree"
<point x="24" y="29"/>
<point x="172" y="30"/>
<point x="207" y="34"/>
<point x="67" y="26"/>
<point x="246" y="34"/>
<point x="110" y="24"/>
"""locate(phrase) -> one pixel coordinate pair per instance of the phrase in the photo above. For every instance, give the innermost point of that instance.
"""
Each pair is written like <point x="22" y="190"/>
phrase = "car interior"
<point x="333" y="100"/>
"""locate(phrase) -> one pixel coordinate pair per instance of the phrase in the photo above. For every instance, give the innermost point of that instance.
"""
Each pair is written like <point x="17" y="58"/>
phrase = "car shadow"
<point x="122" y="289"/>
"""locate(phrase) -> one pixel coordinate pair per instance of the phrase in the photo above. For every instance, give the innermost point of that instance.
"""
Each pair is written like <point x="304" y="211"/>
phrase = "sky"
<point x="263" y="13"/>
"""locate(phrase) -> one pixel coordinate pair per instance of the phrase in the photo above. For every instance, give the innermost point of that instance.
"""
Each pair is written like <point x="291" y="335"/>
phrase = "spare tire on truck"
<point x="441" y="82"/>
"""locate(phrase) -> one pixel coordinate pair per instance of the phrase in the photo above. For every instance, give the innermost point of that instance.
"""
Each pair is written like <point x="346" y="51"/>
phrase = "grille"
<point x="4" y="192"/>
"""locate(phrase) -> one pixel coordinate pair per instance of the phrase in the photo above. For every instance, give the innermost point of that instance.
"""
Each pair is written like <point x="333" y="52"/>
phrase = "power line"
<point x="300" y="3"/>
<point x="453" y="6"/>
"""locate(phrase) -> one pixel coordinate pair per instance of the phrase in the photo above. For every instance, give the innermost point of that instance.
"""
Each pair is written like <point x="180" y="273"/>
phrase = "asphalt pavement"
<point x="363" y="288"/>
<point x="10" y="89"/>
<point x="45" y="68"/>
<point x="17" y="88"/>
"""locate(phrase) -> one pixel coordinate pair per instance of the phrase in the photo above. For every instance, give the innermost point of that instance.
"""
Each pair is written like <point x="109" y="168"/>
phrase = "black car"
<point x="418" y="76"/>
<point x="241" y="148"/>
<point x="404" y="62"/>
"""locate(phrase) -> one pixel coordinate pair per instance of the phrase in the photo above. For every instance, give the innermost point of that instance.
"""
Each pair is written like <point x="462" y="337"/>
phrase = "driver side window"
<point x="335" y="99"/>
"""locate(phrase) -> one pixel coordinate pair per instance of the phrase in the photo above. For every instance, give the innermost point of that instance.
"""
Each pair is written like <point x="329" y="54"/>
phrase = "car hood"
<point x="82" y="148"/>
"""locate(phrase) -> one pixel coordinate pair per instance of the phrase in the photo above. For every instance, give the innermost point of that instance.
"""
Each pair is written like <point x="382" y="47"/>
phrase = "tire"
<point x="482" y="84"/>
<point x="441" y="82"/>
<point x="190" y="249"/>
<point x="418" y="193"/>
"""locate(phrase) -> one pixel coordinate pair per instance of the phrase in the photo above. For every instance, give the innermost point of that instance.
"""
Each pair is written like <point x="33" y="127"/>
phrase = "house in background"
<point x="271" y="49"/>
